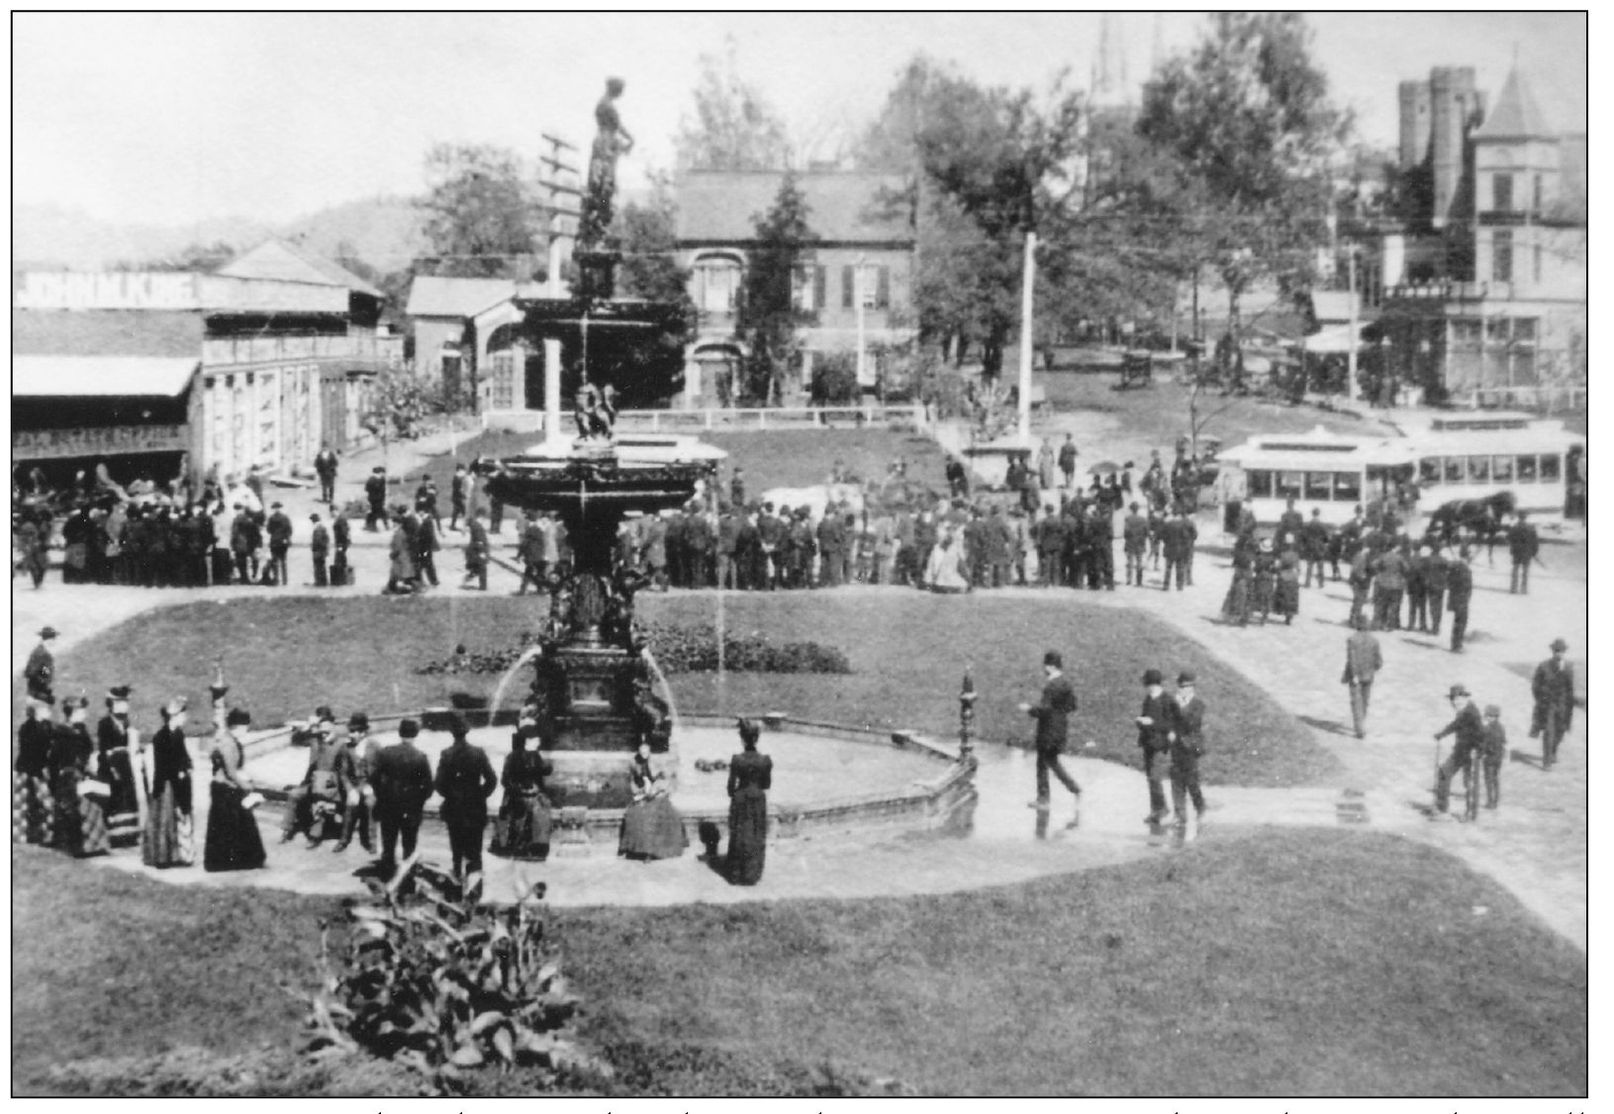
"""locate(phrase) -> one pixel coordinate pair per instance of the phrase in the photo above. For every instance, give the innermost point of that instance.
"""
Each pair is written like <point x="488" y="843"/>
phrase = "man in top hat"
<point x="402" y="780"/>
<point x="355" y="764"/>
<point x="1053" y="725"/>
<point x="319" y="795"/>
<point x="1187" y="745"/>
<point x="1156" y="723"/>
<point x="279" y="528"/>
<point x="319" y="548"/>
<point x="465" y="779"/>
<point x="1553" y="687"/>
<point x="40" y="672"/>
<point x="1470" y="743"/>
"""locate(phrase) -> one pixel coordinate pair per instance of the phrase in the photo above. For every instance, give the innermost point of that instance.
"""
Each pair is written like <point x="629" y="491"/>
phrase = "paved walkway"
<point x="1536" y="844"/>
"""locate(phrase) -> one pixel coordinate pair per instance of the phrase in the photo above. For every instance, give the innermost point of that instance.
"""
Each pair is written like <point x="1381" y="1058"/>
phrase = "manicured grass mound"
<point x="1269" y="962"/>
<point x="769" y="458"/>
<point x="907" y="650"/>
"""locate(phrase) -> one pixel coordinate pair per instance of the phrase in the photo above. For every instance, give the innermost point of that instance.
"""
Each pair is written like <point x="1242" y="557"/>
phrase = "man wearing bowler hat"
<point x="1553" y="687"/>
<point x="320" y="789"/>
<point x="1053" y="724"/>
<point x="40" y="672"/>
<point x="279" y="530"/>
<point x="1469" y="729"/>
<point x="465" y="778"/>
<point x="354" y="766"/>
<point x="1156" y="723"/>
<point x="402" y="779"/>
<point x="319" y="548"/>
<point x="1187" y="745"/>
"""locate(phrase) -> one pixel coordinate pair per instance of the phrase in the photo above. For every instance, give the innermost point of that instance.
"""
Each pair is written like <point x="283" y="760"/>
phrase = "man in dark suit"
<point x="1156" y="724"/>
<point x="279" y="527"/>
<point x="402" y="780"/>
<point x="342" y="535"/>
<point x="1135" y="541"/>
<point x="476" y="552"/>
<point x="1470" y="744"/>
<point x="319" y="548"/>
<point x="465" y="778"/>
<point x="1053" y="725"/>
<point x="325" y="469"/>
<point x="1523" y="545"/>
<point x="1187" y="745"/>
<point x="1459" y="590"/>
<point x="1178" y="544"/>
<point x="40" y="672"/>
<point x="1362" y="663"/>
<point x="1435" y="578"/>
<point x="375" y="491"/>
<point x="1553" y="687"/>
<point x="531" y="550"/>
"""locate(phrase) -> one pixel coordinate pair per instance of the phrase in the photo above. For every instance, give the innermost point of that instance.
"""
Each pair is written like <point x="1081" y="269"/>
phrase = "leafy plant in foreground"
<point x="441" y="985"/>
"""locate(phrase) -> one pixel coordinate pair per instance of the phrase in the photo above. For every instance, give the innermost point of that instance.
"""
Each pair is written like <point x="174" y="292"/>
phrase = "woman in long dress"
<point x="524" y="816"/>
<point x="233" y="841"/>
<point x="1263" y="580"/>
<point x="80" y="820"/>
<point x="1286" y="597"/>
<point x="750" y="776"/>
<point x="35" y="820"/>
<point x="651" y="827"/>
<point x="168" y="839"/>
<point x="115" y="742"/>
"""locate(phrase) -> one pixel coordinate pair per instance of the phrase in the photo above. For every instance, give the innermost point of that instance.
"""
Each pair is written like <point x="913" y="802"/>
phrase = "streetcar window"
<point x="1525" y="468"/>
<point x="1502" y="469"/>
<point x="1429" y="470"/>
<point x="1319" y="486"/>
<point x="1479" y="469"/>
<point x="1289" y="484"/>
<point x="1455" y="473"/>
<point x="1347" y="487"/>
<point x="1550" y="467"/>
<point x="1260" y="483"/>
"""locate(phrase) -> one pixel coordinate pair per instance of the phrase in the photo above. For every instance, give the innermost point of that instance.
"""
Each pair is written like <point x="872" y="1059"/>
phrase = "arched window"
<point x="717" y="278"/>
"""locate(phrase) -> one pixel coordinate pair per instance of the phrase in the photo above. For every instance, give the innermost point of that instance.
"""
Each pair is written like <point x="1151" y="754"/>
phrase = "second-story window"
<point x="717" y="284"/>
<point x="807" y="288"/>
<point x="1502" y="193"/>
<point x="875" y="285"/>
<point x="1502" y="256"/>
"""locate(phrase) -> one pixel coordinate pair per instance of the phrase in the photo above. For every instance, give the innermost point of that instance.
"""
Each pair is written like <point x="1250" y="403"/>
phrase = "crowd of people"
<point x="91" y="794"/>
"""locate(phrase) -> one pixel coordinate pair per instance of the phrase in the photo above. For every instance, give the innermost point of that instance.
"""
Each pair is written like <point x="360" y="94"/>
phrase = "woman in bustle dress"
<point x="80" y="820"/>
<point x="115" y="742"/>
<point x="31" y="790"/>
<point x="233" y="840"/>
<point x="168" y="838"/>
<point x="524" y="813"/>
<point x="750" y="776"/>
<point x="651" y="827"/>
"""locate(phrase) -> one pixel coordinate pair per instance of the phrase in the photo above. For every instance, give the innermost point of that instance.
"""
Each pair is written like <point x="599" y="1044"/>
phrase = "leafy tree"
<point x="649" y="239"/>
<point x="987" y="166"/>
<point x="733" y="127"/>
<point x="1247" y="118"/>
<point x="479" y="212"/>
<point x="768" y="317"/>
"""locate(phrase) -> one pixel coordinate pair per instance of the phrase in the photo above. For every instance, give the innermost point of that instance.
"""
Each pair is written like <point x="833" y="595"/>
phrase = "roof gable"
<point x="276" y="259"/>
<point x="723" y="206"/>
<point x="1516" y="115"/>
<point x="436" y="296"/>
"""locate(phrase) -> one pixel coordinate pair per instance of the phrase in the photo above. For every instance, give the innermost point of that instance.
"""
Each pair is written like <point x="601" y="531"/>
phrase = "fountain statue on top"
<point x="591" y="689"/>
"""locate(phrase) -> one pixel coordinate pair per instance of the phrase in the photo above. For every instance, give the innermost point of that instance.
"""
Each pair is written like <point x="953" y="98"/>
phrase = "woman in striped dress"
<point x="115" y="743"/>
<point x="80" y="821"/>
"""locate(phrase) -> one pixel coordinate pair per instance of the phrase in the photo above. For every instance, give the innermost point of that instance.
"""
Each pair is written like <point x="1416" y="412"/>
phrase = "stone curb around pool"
<point x="930" y="803"/>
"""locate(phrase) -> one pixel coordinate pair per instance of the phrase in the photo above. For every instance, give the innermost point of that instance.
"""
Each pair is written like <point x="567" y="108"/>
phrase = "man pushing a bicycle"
<point x="1469" y="728"/>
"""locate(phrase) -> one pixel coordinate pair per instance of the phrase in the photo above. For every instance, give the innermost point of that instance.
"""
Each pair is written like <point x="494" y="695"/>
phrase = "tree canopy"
<point x="769" y="317"/>
<point x="480" y="214"/>
<point x="733" y="126"/>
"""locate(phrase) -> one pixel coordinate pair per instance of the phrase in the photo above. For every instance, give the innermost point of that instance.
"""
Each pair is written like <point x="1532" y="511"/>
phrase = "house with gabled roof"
<point x="861" y="264"/>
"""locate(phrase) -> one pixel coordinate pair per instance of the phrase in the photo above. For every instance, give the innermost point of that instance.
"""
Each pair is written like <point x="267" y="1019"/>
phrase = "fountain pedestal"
<point x="591" y="686"/>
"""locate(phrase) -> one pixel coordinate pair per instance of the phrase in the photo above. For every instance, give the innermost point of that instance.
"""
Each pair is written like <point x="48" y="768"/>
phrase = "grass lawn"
<point x="1158" y="415"/>
<point x="908" y="652"/>
<point x="1304" y="962"/>
<point x="772" y="458"/>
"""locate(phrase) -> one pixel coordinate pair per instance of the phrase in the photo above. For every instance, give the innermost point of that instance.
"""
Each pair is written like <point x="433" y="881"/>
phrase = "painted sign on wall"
<point x="58" y="444"/>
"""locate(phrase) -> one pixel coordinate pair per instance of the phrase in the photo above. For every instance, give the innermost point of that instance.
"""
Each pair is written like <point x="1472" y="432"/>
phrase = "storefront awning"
<point x="101" y="376"/>
<point x="1333" y="340"/>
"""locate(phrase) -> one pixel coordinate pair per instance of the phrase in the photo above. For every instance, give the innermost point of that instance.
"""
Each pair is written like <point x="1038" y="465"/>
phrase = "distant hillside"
<point x="382" y="231"/>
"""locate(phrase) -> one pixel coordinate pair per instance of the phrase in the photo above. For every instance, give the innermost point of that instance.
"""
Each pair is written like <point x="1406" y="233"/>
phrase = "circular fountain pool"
<point x="826" y="778"/>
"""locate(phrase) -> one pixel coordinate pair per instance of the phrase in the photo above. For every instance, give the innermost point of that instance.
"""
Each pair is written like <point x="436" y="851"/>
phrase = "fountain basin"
<point x="827" y="779"/>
